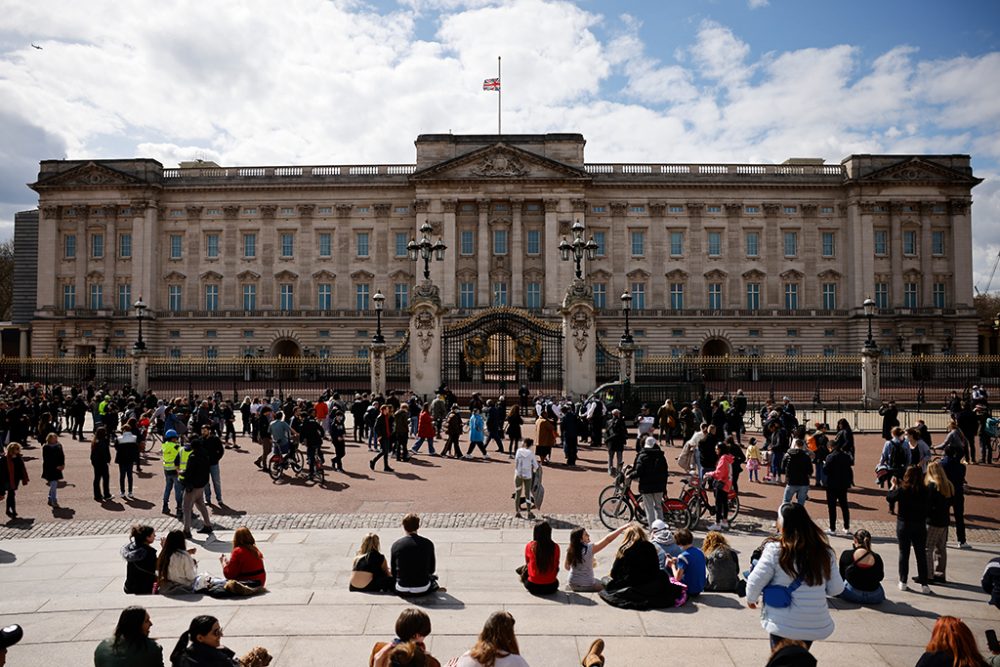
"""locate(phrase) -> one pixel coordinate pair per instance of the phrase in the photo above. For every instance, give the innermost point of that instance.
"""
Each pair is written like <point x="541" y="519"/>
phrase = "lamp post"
<point x="626" y="298"/>
<point x="578" y="249"/>
<point x="425" y="249"/>
<point x="869" y="307"/>
<point x="379" y="300"/>
<point x="140" y="308"/>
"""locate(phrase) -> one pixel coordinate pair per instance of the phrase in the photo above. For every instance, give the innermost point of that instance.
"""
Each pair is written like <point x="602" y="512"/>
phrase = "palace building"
<point x="738" y="259"/>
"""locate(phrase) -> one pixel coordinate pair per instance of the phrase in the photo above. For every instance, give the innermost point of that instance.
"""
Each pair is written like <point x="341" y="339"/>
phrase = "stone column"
<point x="772" y="249"/>
<point x="550" y="243"/>
<point x="896" y="253"/>
<point x="140" y="370"/>
<point x="22" y="350"/>
<point x="657" y="246"/>
<point x="450" y="234"/>
<point x="579" y="340"/>
<point x="376" y="361"/>
<point x="870" y="393"/>
<point x="926" y="254"/>
<point x="425" y="339"/>
<point x="959" y="253"/>
<point x="619" y="250"/>
<point x="49" y="293"/>
<point x="812" y="246"/>
<point x="626" y="362"/>
<point x="516" y="250"/>
<point x="483" y="294"/>
<point x="145" y="258"/>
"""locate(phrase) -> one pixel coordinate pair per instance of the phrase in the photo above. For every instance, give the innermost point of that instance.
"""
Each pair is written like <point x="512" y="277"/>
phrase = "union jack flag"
<point x="491" y="84"/>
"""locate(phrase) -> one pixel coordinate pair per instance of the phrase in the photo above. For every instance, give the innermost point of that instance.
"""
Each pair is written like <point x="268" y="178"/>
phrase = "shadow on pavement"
<point x="6" y="557"/>
<point x="435" y="599"/>
<point x="63" y="512"/>
<point x="718" y="601"/>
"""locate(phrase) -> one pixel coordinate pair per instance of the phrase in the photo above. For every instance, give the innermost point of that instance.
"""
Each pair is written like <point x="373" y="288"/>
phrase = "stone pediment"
<point x="919" y="170"/>
<point x="716" y="274"/>
<point x="500" y="162"/>
<point x="90" y="175"/>
<point x="324" y="275"/>
<point x="211" y="276"/>
<point x="754" y="274"/>
<point x="174" y="276"/>
<point x="286" y="275"/>
<point x="677" y="274"/>
<point x="247" y="276"/>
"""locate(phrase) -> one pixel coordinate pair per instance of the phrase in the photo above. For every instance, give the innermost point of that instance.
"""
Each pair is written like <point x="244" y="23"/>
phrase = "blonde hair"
<point x="13" y="449"/>
<point x="936" y="474"/>
<point x="369" y="543"/>
<point x="714" y="540"/>
<point x="632" y="535"/>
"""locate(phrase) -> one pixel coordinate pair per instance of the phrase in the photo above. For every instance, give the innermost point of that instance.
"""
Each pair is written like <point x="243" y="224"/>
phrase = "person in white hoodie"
<point x="802" y="563"/>
<point x="525" y="467"/>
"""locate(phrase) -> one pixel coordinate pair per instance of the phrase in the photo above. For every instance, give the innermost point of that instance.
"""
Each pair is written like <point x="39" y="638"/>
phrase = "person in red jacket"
<point x="721" y="480"/>
<point x="425" y="431"/>
<point x="246" y="563"/>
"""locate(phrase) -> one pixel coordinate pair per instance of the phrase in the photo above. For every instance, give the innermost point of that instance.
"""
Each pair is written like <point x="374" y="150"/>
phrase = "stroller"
<point x="537" y="492"/>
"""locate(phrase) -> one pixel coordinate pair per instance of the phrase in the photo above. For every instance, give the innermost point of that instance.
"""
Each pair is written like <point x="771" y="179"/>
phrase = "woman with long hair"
<point x="130" y="644"/>
<point x="201" y="646"/>
<point x="801" y="562"/>
<point x="913" y="501"/>
<point x="940" y="492"/>
<point x="722" y="565"/>
<point x="53" y="463"/>
<point x="177" y="570"/>
<point x="370" y="572"/>
<point x="496" y="646"/>
<point x="140" y="560"/>
<point x="636" y="580"/>
<point x="541" y="558"/>
<point x="100" y="459"/>
<point x="580" y="559"/>
<point x="845" y="437"/>
<point x="13" y="474"/>
<point x="246" y="563"/>
<point x="952" y="644"/>
<point x="862" y="570"/>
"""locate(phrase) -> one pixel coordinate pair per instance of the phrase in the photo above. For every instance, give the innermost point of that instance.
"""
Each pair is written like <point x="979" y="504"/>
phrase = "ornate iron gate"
<point x="498" y="351"/>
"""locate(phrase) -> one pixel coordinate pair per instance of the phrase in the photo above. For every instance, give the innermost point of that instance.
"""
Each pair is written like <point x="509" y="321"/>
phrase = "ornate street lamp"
<point x="379" y="300"/>
<point x="140" y="308"/>
<point x="425" y="249"/>
<point x="869" y="307"/>
<point x="578" y="249"/>
<point x="626" y="298"/>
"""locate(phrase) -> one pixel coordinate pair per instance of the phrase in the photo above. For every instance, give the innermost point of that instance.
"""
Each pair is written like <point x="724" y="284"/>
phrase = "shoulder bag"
<point x="780" y="597"/>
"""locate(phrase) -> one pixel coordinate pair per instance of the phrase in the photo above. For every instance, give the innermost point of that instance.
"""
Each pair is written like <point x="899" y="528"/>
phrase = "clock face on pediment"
<point x="90" y="175"/>
<point x="917" y="169"/>
<point x="500" y="162"/>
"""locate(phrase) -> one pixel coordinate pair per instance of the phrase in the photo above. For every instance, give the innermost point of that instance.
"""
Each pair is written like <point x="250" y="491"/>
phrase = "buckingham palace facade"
<point x="719" y="258"/>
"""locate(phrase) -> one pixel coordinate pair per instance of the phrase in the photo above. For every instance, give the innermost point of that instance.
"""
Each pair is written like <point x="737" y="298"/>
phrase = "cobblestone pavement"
<point x="391" y="520"/>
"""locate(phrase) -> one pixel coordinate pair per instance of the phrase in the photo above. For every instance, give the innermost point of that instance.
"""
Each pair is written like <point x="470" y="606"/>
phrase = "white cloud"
<point x="757" y="4"/>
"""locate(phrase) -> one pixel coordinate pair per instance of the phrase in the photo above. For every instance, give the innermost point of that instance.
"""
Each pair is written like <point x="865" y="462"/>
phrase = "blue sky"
<point x="328" y="82"/>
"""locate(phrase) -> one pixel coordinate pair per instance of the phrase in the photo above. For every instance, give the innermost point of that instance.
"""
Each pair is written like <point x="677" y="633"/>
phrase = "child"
<point x="689" y="566"/>
<point x="753" y="461"/>
<point x="525" y="466"/>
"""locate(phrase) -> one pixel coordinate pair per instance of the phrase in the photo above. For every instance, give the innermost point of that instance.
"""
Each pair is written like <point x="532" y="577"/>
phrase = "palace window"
<point x="97" y="246"/>
<point x="324" y="297"/>
<point x="533" y="296"/>
<point x="600" y="295"/>
<point x="69" y="246"/>
<point x="287" y="245"/>
<point x="500" y="294"/>
<point x="752" y="240"/>
<point x="938" y="295"/>
<point x="909" y="242"/>
<point x="753" y="296"/>
<point x="250" y="245"/>
<point x="600" y="240"/>
<point x="401" y="241"/>
<point x="714" y="244"/>
<point x="791" y="296"/>
<point x="499" y="241"/>
<point x="96" y="296"/>
<point x="250" y="297"/>
<point x="937" y="243"/>
<point x="638" y="243"/>
<point x="211" y="297"/>
<point x="174" y="298"/>
<point x="176" y="246"/>
<point x="677" y="296"/>
<point x="286" y="300"/>
<point x="361" y="292"/>
<point x="881" y="239"/>
<point x="638" y="296"/>
<point x="326" y="244"/>
<point x="468" y="242"/>
<point x="401" y="296"/>
<point x="69" y="297"/>
<point x="715" y="296"/>
<point x="829" y="246"/>
<point x="125" y="297"/>
<point x="467" y="295"/>
<point x="791" y="244"/>
<point x="534" y="241"/>
<point x="676" y="243"/>
<point x="830" y="296"/>
<point x="361" y="239"/>
<point x="125" y="246"/>
<point x="910" y="292"/>
<point x="211" y="245"/>
<point x="882" y="295"/>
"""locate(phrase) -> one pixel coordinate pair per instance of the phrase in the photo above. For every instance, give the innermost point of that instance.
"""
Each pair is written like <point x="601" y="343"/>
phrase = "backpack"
<point x="898" y="457"/>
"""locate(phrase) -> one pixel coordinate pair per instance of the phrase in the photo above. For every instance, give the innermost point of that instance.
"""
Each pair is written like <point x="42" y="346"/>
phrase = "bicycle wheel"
<point x="694" y="512"/>
<point x="615" y="512"/>
<point x="734" y="508"/>
<point x="149" y="444"/>
<point x="320" y="473"/>
<point x="275" y="468"/>
<point x="607" y="492"/>
<point x="677" y="517"/>
<point x="297" y="462"/>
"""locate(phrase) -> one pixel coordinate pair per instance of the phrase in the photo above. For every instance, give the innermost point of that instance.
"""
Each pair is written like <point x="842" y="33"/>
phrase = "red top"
<point x="535" y="575"/>
<point x="425" y="425"/>
<point x="245" y="565"/>
<point x="322" y="410"/>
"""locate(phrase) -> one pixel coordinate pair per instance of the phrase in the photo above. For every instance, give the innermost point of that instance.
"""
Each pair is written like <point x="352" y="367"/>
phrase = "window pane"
<point x="909" y="243"/>
<point x="638" y="243"/>
<point x="211" y="297"/>
<point x="125" y="246"/>
<point x="937" y="243"/>
<point x="791" y="244"/>
<point x="362" y="240"/>
<point x="676" y="243"/>
<point x="325" y="245"/>
<point x="638" y="296"/>
<point x="361" y="296"/>
<point x="714" y="243"/>
<point x="324" y="296"/>
<point x="499" y="294"/>
<point x="467" y="295"/>
<point x="715" y="296"/>
<point x="534" y="241"/>
<point x="499" y="241"/>
<point x="939" y="295"/>
<point x="124" y="297"/>
<point x="830" y="296"/>
<point x="753" y="296"/>
<point x="753" y="244"/>
<point x="249" y="245"/>
<point x="881" y="242"/>
<point x="882" y="295"/>
<point x="212" y="245"/>
<point x="69" y="297"/>
<point x="791" y="296"/>
<point x="176" y="246"/>
<point x="401" y="241"/>
<point x="468" y="242"/>
<point x="534" y="295"/>
<point x="677" y="296"/>
<point x="600" y="295"/>
<point x="828" y="244"/>
<point x="249" y="297"/>
<point x="287" y="245"/>
<point x="287" y="297"/>
<point x="97" y="246"/>
<point x="401" y="296"/>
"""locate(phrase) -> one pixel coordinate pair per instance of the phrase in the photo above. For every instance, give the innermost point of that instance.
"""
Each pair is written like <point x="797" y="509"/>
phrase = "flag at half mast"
<point x="492" y="84"/>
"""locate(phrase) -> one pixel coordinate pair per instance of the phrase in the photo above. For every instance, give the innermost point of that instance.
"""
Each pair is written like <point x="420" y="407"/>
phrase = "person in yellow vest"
<point x="172" y="460"/>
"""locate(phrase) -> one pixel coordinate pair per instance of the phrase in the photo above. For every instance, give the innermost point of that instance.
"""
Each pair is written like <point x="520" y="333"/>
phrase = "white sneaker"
<point x="925" y="589"/>
<point x="903" y="586"/>
<point x="725" y="525"/>
<point x="715" y="526"/>
<point x="486" y="457"/>
<point x="467" y="457"/>
<point x="847" y="532"/>
<point x="964" y="545"/>
<point x="830" y="531"/>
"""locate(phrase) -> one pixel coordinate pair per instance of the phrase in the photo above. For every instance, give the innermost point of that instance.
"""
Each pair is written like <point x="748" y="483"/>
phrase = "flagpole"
<point x="499" y="94"/>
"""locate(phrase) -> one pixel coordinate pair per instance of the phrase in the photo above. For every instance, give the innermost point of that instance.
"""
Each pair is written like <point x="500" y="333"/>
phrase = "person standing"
<point x="911" y="525"/>
<point x="525" y="467"/>
<point x="494" y="424"/>
<point x="651" y="471"/>
<point x="666" y="417"/>
<point x="126" y="456"/>
<point x="514" y="423"/>
<point x="214" y="450"/>
<point x="721" y="480"/>
<point x="954" y="470"/>
<point x="53" y="463"/>
<point x="546" y="433"/>
<point x="100" y="459"/>
<point x="617" y="435"/>
<point x="195" y="477"/>
<point x="595" y="417"/>
<point x="12" y="475"/>
<point x="569" y="426"/>
<point x="968" y="422"/>
<point x="477" y="434"/>
<point x="920" y="451"/>
<point x="383" y="430"/>
<point x="940" y="492"/>
<point x="797" y="469"/>
<point x="401" y="431"/>
<point x="338" y="436"/>
<point x="312" y="436"/>
<point x="171" y="455"/>
<point x="839" y="473"/>
<point x="890" y="418"/>
<point x="707" y="456"/>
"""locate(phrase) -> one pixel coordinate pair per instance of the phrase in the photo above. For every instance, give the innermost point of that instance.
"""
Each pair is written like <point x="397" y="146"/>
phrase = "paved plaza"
<point x="66" y="592"/>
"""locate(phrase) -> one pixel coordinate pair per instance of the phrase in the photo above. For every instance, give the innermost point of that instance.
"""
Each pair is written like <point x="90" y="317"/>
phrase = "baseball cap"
<point x="10" y="635"/>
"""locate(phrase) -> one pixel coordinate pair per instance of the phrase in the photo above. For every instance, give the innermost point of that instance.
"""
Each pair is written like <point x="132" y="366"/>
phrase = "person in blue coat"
<point x="477" y="434"/>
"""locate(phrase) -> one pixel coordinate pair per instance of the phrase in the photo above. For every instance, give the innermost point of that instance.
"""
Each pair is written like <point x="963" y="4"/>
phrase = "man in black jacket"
<point x="707" y="458"/>
<point x="839" y="470"/>
<point x="797" y="467"/>
<point x="413" y="562"/>
<point x="616" y="437"/>
<point x="194" y="478"/>
<point x="214" y="449"/>
<point x="651" y="471"/>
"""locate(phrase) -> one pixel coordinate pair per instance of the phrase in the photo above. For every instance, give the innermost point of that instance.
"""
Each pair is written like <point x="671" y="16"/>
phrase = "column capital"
<point x="344" y="210"/>
<point x="551" y="205"/>
<point x="958" y="206"/>
<point x="657" y="209"/>
<point x="382" y="209"/>
<point x="305" y="210"/>
<point x="809" y="209"/>
<point x="618" y="207"/>
<point x="449" y="205"/>
<point x="770" y="208"/>
<point x="194" y="212"/>
<point x="421" y="205"/>
<point x="231" y="211"/>
<point x="695" y="207"/>
<point x="579" y="205"/>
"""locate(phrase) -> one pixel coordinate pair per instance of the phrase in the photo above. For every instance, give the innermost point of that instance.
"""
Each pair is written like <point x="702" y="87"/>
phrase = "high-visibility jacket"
<point x="182" y="459"/>
<point x="171" y="450"/>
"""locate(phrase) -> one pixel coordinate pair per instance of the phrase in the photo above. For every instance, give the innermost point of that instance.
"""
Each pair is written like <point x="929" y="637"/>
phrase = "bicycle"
<point x="625" y="507"/>
<point x="279" y="462"/>
<point x="695" y="496"/>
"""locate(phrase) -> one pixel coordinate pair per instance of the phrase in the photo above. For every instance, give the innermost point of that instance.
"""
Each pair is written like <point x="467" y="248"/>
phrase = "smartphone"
<point x="991" y="641"/>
